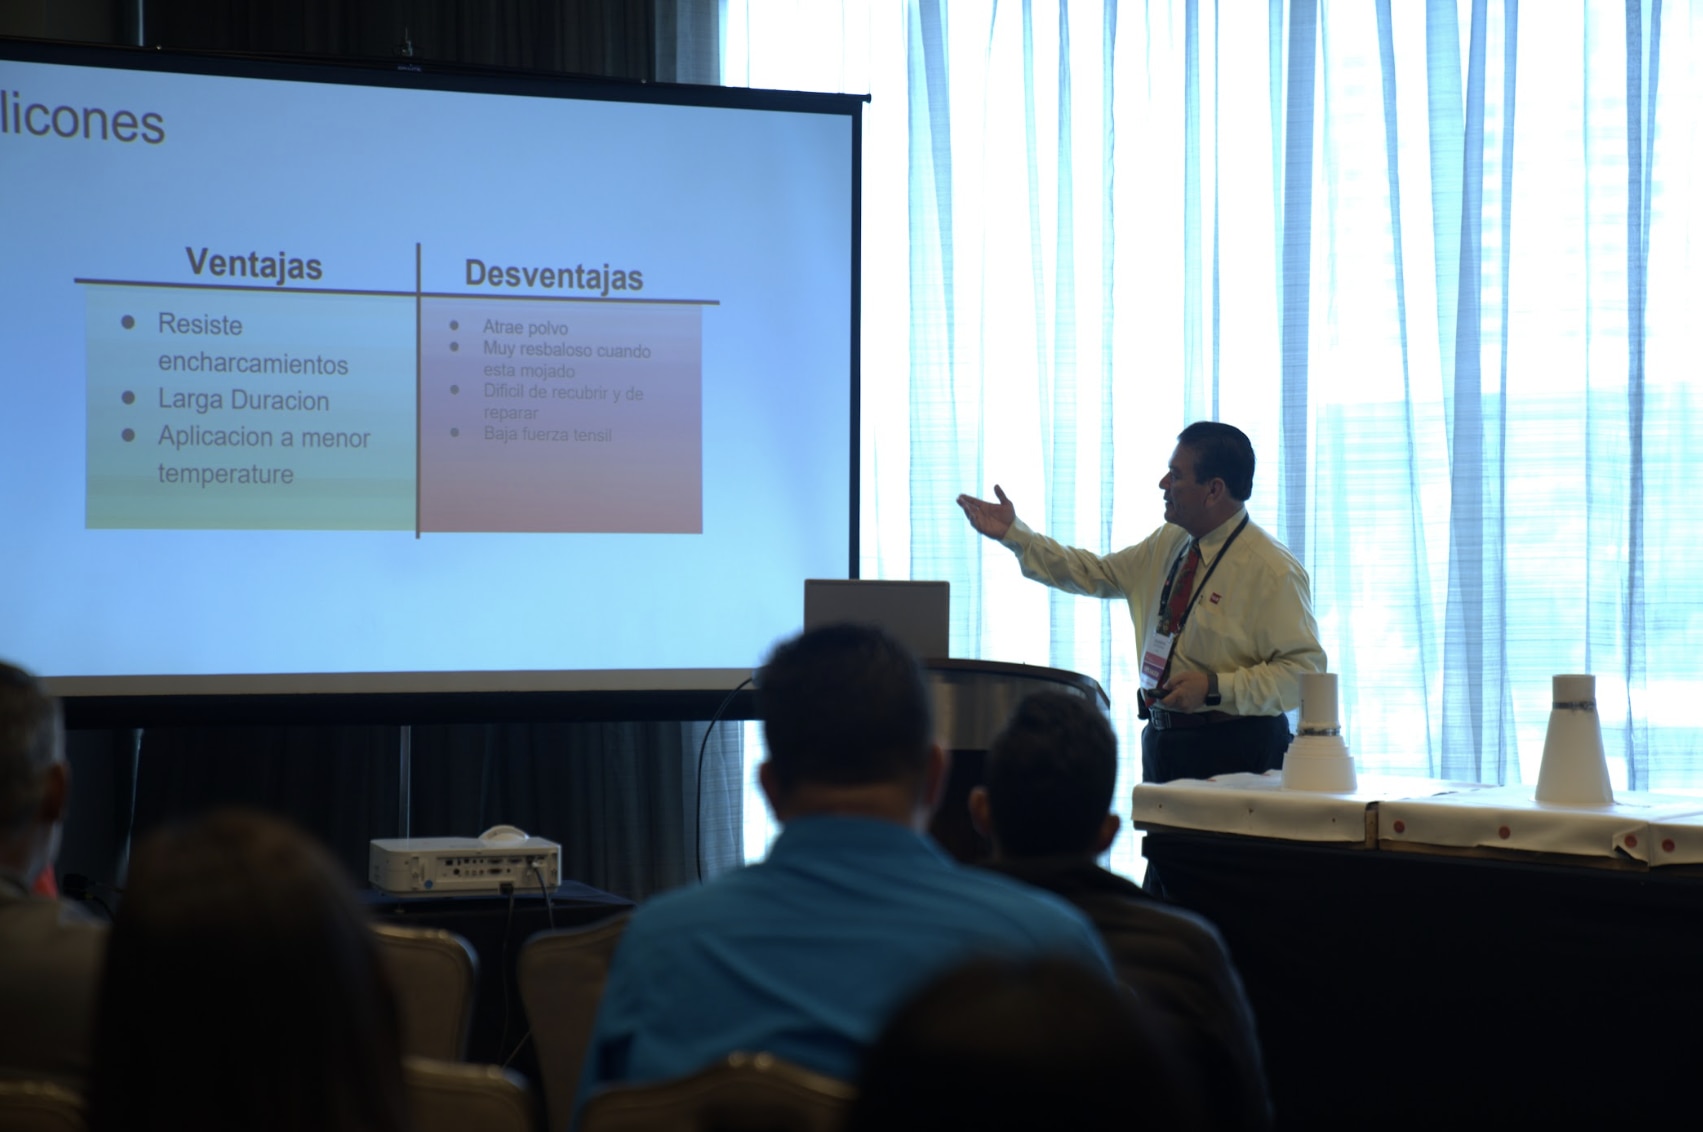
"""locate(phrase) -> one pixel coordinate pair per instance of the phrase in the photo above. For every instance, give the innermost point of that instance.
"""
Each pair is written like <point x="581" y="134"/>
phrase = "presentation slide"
<point x="346" y="380"/>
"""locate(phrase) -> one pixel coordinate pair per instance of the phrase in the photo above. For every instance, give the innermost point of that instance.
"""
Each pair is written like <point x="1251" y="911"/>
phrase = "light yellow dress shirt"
<point x="1253" y="623"/>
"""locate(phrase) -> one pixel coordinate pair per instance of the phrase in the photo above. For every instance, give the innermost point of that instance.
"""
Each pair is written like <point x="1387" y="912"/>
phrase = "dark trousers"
<point x="1254" y="744"/>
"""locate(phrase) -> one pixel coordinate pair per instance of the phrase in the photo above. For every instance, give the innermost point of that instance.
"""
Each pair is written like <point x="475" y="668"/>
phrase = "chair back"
<point x="433" y="972"/>
<point x="748" y="1092"/>
<point x="561" y="976"/>
<point x="453" y="1096"/>
<point x="40" y="1106"/>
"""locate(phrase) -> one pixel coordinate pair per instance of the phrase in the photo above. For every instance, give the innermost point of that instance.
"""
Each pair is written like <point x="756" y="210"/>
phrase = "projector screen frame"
<point x="380" y="697"/>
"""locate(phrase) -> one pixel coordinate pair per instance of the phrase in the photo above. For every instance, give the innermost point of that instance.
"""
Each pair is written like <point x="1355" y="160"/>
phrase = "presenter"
<point x="1222" y="609"/>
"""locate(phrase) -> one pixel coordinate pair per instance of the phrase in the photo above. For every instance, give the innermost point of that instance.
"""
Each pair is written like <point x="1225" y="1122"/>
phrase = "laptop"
<point x="917" y="613"/>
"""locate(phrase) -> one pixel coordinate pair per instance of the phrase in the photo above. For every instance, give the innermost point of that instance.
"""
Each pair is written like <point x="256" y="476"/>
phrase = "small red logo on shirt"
<point x="1214" y="599"/>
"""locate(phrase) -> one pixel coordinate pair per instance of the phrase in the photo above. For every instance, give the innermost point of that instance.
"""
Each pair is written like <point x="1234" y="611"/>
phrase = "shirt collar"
<point x="1215" y="538"/>
<point x="833" y="831"/>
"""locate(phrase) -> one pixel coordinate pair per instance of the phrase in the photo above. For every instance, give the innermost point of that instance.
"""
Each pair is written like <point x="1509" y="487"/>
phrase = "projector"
<point x="451" y="866"/>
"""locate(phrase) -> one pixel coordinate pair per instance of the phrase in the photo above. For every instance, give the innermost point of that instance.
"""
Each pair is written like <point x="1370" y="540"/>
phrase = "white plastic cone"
<point x="1575" y="770"/>
<point x="1318" y="759"/>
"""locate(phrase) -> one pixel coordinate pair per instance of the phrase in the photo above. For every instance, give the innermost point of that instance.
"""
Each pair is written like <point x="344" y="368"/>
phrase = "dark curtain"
<point x="338" y="783"/>
<point x="75" y="21"/>
<point x="103" y="804"/>
<point x="609" y="38"/>
<point x="622" y="799"/>
<point x="633" y="806"/>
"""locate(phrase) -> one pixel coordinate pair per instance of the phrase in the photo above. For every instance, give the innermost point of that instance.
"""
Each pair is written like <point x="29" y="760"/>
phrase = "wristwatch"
<point x="1213" y="699"/>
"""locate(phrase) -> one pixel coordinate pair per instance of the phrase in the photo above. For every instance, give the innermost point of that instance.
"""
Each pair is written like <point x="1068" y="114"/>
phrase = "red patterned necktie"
<point x="1182" y="588"/>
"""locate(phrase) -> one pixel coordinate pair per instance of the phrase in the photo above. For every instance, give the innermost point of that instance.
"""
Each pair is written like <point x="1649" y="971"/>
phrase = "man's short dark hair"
<point x="1050" y="776"/>
<point x="1223" y="452"/>
<point x="30" y="741"/>
<point x="844" y="705"/>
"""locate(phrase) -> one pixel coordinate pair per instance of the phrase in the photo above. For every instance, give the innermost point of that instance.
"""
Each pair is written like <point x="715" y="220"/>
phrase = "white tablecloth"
<point x="1509" y="817"/>
<point x="1257" y="805"/>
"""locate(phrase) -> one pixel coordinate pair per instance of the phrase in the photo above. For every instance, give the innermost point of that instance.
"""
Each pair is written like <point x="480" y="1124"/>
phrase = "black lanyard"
<point x="1200" y="586"/>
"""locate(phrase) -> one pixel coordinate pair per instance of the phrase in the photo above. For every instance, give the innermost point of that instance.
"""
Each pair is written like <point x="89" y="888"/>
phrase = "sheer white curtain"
<point x="1440" y="262"/>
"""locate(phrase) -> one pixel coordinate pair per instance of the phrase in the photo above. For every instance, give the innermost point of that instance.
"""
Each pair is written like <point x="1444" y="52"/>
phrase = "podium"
<point x="973" y="699"/>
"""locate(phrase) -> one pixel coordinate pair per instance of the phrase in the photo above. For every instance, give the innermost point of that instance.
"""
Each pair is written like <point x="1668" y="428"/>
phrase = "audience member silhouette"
<point x="1045" y="806"/>
<point x="1002" y="1045"/>
<point x="50" y="952"/>
<point x="243" y="989"/>
<point x="807" y="953"/>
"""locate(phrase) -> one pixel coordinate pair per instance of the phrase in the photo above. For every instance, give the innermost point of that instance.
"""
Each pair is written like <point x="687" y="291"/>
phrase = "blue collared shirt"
<point x="806" y="954"/>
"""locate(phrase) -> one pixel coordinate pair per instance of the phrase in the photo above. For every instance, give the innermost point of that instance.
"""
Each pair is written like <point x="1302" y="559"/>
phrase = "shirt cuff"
<point x="1017" y="537"/>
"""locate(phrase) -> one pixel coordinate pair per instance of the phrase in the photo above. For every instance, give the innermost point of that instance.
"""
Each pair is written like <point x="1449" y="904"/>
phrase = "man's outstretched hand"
<point x="991" y="519"/>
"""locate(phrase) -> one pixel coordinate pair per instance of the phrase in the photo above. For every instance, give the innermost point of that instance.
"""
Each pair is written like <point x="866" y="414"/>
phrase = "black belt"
<point x="1164" y="719"/>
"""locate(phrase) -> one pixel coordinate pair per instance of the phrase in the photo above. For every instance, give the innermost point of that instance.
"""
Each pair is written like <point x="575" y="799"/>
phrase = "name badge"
<point x="1154" y="658"/>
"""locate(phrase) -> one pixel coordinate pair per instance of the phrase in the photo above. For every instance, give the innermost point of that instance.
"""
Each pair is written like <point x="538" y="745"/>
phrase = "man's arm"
<point x="1044" y="560"/>
<point x="1287" y="637"/>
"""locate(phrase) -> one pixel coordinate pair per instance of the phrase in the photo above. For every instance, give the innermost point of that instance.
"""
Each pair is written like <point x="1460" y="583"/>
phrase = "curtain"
<point x="688" y="41"/>
<point x="622" y="799"/>
<point x="1436" y="260"/>
<point x="587" y="37"/>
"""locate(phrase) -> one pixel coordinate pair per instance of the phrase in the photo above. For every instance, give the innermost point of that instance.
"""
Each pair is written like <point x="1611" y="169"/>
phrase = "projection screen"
<point x="375" y="380"/>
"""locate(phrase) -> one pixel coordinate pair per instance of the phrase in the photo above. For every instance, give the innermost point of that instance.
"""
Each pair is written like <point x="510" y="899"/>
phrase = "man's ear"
<point x="769" y="782"/>
<point x="56" y="793"/>
<point x="1109" y="827"/>
<point x="981" y="816"/>
<point x="935" y="773"/>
